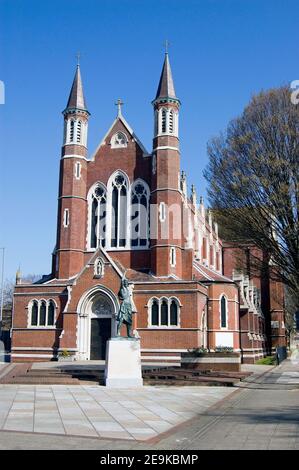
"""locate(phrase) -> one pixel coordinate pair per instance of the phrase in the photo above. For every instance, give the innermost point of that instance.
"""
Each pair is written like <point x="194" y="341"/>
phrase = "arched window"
<point x="223" y="312"/>
<point x="173" y="313"/>
<point x="119" y="211"/>
<point x="72" y="130"/>
<point x="51" y="313"/>
<point x="163" y="121"/>
<point x="171" y="122"/>
<point x="42" y="313"/>
<point x="139" y="215"/>
<point x="79" y="131"/>
<point x="119" y="140"/>
<point x="164" y="313"/>
<point x="156" y="122"/>
<point x="34" y="313"/>
<point x="98" y="216"/>
<point x="155" y="313"/>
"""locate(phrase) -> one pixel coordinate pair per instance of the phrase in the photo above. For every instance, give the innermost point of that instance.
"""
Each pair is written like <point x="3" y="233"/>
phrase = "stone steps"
<point x="177" y="376"/>
<point x="24" y="374"/>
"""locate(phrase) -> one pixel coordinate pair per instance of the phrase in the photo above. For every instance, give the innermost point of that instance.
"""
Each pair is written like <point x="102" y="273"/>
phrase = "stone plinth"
<point x="123" y="363"/>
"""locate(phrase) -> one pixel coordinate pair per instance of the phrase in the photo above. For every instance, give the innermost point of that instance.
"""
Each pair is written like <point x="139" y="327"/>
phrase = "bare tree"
<point x="253" y="175"/>
<point x="9" y="285"/>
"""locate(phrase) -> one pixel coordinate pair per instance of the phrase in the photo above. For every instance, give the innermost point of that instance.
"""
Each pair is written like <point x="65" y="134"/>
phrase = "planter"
<point x="212" y="361"/>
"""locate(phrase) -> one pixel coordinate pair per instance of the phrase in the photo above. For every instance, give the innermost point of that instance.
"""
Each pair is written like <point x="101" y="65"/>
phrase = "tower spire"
<point x="166" y="85"/>
<point x="76" y="99"/>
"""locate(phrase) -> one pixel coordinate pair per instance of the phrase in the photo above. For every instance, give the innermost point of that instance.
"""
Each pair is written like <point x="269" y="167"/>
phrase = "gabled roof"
<point x="166" y="86"/>
<point x="130" y="131"/>
<point x="205" y="274"/>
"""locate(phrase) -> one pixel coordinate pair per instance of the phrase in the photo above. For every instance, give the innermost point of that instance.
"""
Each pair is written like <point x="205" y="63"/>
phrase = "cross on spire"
<point x="119" y="104"/>
<point x="166" y="44"/>
<point x="78" y="55"/>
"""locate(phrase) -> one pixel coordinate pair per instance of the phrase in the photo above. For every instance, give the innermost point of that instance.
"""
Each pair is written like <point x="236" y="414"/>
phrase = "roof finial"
<point x="119" y="104"/>
<point x="167" y="44"/>
<point x="78" y="55"/>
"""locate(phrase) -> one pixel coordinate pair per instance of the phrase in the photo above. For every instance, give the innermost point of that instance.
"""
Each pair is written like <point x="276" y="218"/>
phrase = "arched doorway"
<point x="100" y="325"/>
<point x="96" y="323"/>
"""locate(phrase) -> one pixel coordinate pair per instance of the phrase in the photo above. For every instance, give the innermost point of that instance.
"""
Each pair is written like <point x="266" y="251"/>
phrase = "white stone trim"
<point x="83" y="332"/>
<point x="89" y="214"/>
<point x="39" y="303"/>
<point x="166" y="147"/>
<point x="32" y="355"/>
<point x="160" y="301"/>
<point x="113" y="140"/>
<point x="77" y="170"/>
<point x="172" y="256"/>
<point x="109" y="211"/>
<point x="66" y="217"/>
<point x="74" y="156"/>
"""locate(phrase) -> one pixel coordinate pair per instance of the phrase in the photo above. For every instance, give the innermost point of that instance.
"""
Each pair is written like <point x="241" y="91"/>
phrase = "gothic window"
<point x="51" y="313"/>
<point x="65" y="131"/>
<point x="34" y="313"/>
<point x="42" y="313"/>
<point x="72" y="130"/>
<point x="79" y="131"/>
<point x="155" y="313"/>
<point x="163" y="123"/>
<point x="173" y="313"/>
<point x="156" y="122"/>
<point x="119" y="211"/>
<point x="98" y="216"/>
<point x="139" y="215"/>
<point x="154" y="164"/>
<point x="119" y="140"/>
<point x="223" y="311"/>
<point x="171" y="122"/>
<point x="164" y="312"/>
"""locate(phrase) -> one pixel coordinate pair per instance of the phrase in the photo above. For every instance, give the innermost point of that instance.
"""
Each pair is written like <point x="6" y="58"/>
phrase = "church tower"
<point x="166" y="238"/>
<point x="71" y="236"/>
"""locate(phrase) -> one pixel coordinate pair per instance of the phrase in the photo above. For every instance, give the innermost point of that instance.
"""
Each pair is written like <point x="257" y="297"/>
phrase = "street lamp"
<point x="2" y="287"/>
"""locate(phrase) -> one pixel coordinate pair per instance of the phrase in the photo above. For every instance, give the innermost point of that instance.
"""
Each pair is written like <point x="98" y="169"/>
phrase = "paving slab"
<point x="94" y="411"/>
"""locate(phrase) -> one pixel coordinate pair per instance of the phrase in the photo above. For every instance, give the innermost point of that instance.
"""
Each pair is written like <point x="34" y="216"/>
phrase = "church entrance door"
<point x="97" y="309"/>
<point x="99" y="335"/>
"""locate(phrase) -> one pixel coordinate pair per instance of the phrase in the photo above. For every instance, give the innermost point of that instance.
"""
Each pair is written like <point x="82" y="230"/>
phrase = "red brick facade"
<point x="178" y="270"/>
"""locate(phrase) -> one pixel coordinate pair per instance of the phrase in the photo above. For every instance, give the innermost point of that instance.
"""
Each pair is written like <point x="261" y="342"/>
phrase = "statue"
<point x="127" y="308"/>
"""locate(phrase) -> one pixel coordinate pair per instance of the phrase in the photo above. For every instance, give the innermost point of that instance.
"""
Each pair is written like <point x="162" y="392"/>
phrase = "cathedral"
<point x="126" y="213"/>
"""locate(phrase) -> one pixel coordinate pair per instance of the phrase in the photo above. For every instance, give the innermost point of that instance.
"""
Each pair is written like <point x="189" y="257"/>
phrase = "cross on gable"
<point x="119" y="104"/>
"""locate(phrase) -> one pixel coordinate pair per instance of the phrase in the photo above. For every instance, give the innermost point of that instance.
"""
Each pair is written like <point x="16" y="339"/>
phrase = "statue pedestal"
<point x="123" y="363"/>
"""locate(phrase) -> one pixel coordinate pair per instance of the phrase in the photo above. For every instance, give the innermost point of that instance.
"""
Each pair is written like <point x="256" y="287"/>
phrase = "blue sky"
<point x="221" y="52"/>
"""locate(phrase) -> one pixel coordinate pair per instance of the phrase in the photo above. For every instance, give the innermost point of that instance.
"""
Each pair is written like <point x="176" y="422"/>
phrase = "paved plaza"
<point x="260" y="413"/>
<point x="95" y="411"/>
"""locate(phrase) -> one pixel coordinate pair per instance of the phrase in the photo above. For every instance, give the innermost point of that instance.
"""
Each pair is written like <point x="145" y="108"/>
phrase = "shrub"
<point x="197" y="351"/>
<point x="267" y="361"/>
<point x="65" y="353"/>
